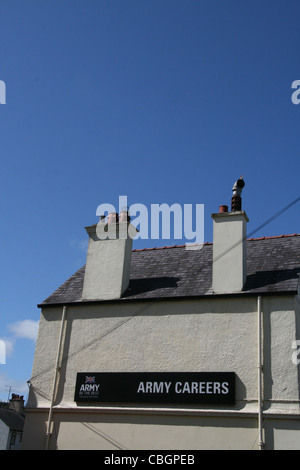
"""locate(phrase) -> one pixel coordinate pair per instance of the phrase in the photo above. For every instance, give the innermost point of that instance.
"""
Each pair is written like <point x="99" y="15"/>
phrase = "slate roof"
<point x="13" y="420"/>
<point x="273" y="267"/>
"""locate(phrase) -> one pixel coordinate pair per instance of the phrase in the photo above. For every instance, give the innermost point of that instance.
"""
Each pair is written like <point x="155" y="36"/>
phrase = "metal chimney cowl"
<point x="236" y="200"/>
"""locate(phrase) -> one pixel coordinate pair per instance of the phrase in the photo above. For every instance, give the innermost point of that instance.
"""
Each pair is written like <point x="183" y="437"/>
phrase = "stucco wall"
<point x="217" y="334"/>
<point x="163" y="336"/>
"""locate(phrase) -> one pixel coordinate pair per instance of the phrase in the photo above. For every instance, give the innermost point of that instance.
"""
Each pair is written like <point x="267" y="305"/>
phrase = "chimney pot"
<point x="112" y="218"/>
<point x="124" y="216"/>
<point x="223" y="208"/>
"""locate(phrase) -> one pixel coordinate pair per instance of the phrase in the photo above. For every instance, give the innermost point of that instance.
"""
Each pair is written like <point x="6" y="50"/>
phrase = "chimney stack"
<point x="17" y="403"/>
<point x="229" y="245"/>
<point x="107" y="269"/>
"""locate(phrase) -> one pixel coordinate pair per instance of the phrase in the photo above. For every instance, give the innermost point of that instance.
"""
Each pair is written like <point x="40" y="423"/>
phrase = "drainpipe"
<point x="55" y="380"/>
<point x="259" y="377"/>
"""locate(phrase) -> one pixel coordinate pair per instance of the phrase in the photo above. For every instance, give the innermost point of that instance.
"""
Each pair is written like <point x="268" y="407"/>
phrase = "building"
<point x="12" y="424"/>
<point x="169" y="348"/>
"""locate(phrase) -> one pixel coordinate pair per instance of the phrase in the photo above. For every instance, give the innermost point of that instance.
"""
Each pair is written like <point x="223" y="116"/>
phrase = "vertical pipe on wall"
<point x="259" y="376"/>
<point x="57" y="369"/>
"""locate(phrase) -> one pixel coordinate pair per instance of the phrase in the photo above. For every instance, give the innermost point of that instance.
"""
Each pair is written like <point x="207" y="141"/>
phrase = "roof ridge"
<point x="166" y="247"/>
<point x="211" y="243"/>
<point x="274" y="236"/>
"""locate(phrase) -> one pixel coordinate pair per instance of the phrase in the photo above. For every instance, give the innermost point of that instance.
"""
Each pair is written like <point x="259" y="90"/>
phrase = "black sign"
<point x="156" y="387"/>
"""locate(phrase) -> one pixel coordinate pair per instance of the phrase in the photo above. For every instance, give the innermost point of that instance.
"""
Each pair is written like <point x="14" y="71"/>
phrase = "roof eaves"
<point x="250" y="293"/>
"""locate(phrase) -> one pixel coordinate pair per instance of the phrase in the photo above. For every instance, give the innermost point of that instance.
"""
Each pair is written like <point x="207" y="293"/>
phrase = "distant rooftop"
<point x="13" y="420"/>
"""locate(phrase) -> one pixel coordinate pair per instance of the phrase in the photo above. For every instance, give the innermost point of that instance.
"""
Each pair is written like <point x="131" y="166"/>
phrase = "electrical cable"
<point x="144" y="308"/>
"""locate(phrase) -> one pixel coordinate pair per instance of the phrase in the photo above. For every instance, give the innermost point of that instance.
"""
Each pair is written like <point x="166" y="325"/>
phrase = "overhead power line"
<point x="145" y="307"/>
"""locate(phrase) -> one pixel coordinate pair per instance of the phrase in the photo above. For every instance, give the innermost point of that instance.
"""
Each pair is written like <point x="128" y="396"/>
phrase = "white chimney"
<point x="107" y="269"/>
<point x="229" y="246"/>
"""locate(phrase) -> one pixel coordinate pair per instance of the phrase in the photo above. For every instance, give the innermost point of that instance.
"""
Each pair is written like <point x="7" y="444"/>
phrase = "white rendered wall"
<point x="217" y="334"/>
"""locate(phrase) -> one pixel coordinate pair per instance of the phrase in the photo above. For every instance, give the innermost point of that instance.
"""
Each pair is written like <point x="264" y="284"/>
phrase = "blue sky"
<point x="162" y="101"/>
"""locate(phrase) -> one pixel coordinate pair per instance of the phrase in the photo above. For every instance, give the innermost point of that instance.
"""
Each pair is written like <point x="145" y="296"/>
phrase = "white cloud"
<point x="8" y="346"/>
<point x="25" y="329"/>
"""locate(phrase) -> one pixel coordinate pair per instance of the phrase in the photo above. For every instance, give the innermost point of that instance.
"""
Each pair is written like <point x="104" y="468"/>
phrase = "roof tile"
<point x="273" y="266"/>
